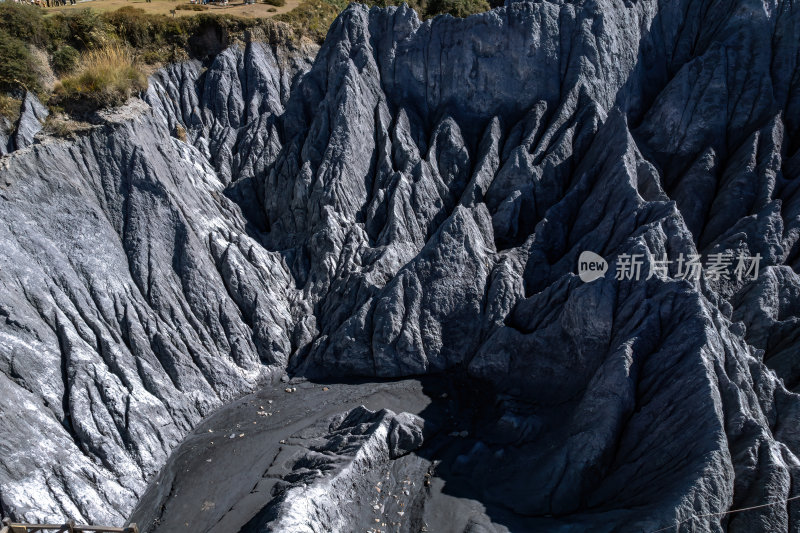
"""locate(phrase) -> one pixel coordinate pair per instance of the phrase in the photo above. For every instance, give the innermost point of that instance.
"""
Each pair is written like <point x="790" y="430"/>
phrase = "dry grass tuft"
<point x="63" y="126"/>
<point x="105" y="76"/>
<point x="180" y="133"/>
<point x="9" y="108"/>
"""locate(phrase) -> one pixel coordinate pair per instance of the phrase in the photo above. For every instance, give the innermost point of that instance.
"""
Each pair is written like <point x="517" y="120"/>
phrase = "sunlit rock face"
<point x="413" y="199"/>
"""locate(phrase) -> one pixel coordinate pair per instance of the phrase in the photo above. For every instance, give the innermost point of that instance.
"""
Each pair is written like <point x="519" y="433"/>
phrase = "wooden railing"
<point x="70" y="527"/>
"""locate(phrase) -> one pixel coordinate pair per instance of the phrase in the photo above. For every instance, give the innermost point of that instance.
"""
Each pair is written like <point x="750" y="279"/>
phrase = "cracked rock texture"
<point x="414" y="201"/>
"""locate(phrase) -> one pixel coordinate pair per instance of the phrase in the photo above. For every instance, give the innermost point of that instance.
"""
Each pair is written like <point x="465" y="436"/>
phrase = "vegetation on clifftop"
<point x="314" y="17"/>
<point x="99" y="58"/>
<point x="105" y="77"/>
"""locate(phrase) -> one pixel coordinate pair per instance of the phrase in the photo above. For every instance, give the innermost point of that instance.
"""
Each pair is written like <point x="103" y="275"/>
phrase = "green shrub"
<point x="105" y="77"/>
<point x="386" y="3"/>
<point x="17" y="67"/>
<point x="277" y="3"/>
<point x="82" y="29"/>
<point x="209" y="33"/>
<point x="23" y="21"/>
<point x="457" y="8"/>
<point x="154" y="57"/>
<point x="65" y="59"/>
<point x="142" y="30"/>
<point x="312" y="18"/>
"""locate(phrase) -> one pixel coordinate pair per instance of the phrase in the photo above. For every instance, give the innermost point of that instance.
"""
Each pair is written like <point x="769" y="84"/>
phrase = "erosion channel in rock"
<point x="354" y="269"/>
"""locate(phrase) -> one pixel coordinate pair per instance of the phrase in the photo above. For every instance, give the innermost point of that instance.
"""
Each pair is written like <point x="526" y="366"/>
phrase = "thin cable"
<point x="694" y="516"/>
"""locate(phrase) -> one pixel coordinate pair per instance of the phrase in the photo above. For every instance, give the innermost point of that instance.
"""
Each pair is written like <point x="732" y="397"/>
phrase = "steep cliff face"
<point x="415" y="202"/>
<point x="134" y="299"/>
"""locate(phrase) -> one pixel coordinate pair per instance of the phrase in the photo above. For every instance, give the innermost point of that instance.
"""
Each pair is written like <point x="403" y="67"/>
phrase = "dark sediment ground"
<point x="226" y="472"/>
<point x="215" y="480"/>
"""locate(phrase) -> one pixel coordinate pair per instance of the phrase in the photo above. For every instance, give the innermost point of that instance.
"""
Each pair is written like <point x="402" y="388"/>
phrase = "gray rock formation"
<point x="6" y="128"/>
<point x="356" y="449"/>
<point x="115" y="339"/>
<point x="412" y="203"/>
<point x="20" y="135"/>
<point x="32" y="116"/>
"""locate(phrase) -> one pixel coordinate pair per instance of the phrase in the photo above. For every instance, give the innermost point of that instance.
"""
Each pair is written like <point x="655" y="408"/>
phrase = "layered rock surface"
<point x="415" y="202"/>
